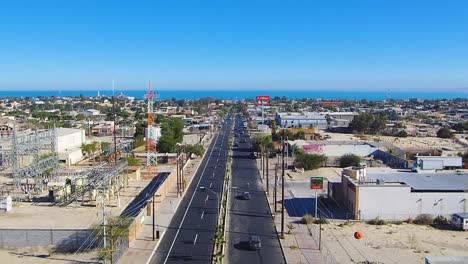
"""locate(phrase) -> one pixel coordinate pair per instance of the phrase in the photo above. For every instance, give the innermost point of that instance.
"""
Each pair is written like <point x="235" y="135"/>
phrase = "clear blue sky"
<point x="234" y="44"/>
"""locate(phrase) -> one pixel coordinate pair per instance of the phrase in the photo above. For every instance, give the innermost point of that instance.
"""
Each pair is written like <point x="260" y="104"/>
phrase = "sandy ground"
<point x="29" y="215"/>
<point x="405" y="243"/>
<point x="40" y="255"/>
<point x="450" y="145"/>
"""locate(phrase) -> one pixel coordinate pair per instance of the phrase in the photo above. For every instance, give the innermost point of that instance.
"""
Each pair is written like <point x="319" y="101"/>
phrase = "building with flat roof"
<point x="398" y="195"/>
<point x="314" y="119"/>
<point x="69" y="142"/>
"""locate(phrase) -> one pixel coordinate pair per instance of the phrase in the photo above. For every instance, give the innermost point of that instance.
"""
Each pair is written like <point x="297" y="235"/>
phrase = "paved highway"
<point x="249" y="217"/>
<point x="189" y="236"/>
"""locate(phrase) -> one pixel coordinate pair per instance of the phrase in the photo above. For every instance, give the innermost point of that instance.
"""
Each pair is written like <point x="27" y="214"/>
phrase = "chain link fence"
<point x="66" y="239"/>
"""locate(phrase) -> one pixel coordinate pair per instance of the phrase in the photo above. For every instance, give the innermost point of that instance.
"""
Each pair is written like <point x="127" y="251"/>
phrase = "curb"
<point x="274" y="224"/>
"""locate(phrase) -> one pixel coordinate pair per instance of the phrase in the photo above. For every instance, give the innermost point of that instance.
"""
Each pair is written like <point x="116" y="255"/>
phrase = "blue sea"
<point x="250" y="94"/>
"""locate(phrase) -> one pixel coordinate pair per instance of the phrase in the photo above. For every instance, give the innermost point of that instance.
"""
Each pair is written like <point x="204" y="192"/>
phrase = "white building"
<point x="91" y="113"/>
<point x="69" y="142"/>
<point x="394" y="195"/>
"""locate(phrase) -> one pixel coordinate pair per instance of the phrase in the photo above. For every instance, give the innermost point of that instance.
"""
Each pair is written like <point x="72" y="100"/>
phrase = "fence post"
<point x="51" y="236"/>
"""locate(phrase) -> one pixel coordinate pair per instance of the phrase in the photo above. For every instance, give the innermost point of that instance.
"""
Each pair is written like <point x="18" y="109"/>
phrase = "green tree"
<point x="444" y="132"/>
<point x="361" y="123"/>
<point x="378" y="123"/>
<point x="300" y="135"/>
<point x="166" y="143"/>
<point x="329" y="120"/>
<point x="196" y="149"/>
<point x="349" y="160"/>
<point x="273" y="126"/>
<point x="132" y="161"/>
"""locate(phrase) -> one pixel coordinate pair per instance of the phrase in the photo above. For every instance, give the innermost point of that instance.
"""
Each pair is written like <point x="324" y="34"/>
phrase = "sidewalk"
<point x="301" y="245"/>
<point x="143" y="247"/>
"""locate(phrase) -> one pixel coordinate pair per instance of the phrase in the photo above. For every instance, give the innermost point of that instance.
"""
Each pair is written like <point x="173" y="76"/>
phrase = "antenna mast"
<point x="151" y="157"/>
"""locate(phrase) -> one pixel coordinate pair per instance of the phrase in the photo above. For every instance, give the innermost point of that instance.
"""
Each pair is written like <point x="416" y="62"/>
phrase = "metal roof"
<point x="436" y="181"/>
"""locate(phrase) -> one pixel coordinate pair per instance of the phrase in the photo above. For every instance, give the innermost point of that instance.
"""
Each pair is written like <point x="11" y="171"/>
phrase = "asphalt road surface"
<point x="249" y="217"/>
<point x="189" y="236"/>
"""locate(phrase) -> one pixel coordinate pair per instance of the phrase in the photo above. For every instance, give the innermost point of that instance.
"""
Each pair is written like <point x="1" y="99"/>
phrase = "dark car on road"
<point x="245" y="196"/>
<point x="255" y="243"/>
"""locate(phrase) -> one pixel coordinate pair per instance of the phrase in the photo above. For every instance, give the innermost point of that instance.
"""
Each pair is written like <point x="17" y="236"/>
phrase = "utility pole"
<point x="115" y="132"/>
<point x="177" y="168"/>
<point x="111" y="244"/>
<point x="267" y="186"/>
<point x="276" y="184"/>
<point x="282" y="188"/>
<point x="104" y="221"/>
<point x="153" y="215"/>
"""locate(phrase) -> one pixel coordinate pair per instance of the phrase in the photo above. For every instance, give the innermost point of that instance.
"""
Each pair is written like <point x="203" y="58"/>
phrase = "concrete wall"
<point x="71" y="140"/>
<point x="399" y="203"/>
<point x="390" y="202"/>
<point x="72" y="156"/>
<point x="438" y="203"/>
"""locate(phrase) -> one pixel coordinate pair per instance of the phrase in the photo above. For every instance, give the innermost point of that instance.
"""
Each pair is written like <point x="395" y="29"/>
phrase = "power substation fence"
<point x="121" y="246"/>
<point x="64" y="239"/>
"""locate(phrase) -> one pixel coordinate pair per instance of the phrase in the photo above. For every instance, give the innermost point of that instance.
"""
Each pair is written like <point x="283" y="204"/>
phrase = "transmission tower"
<point x="151" y="157"/>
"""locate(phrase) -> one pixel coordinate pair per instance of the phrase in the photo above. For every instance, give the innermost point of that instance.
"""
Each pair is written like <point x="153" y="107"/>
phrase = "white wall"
<point x="340" y="150"/>
<point x="438" y="203"/>
<point x="71" y="157"/>
<point x="71" y="140"/>
<point x="384" y="202"/>
<point x="389" y="202"/>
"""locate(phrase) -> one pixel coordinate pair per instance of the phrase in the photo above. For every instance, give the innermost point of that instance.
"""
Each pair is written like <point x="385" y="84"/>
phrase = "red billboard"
<point x="262" y="99"/>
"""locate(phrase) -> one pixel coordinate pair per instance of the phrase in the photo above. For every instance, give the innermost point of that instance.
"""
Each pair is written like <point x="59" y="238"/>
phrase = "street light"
<point x="217" y="196"/>
<point x="154" y="218"/>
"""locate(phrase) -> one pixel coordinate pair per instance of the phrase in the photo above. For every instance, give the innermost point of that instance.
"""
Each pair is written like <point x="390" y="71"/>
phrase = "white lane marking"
<point x="195" y="240"/>
<point x="210" y="184"/>
<point x="202" y="214"/>
<point x="186" y="210"/>
<point x="208" y="196"/>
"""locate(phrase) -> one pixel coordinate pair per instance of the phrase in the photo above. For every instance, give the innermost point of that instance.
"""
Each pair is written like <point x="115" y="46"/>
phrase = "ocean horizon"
<point x="246" y="94"/>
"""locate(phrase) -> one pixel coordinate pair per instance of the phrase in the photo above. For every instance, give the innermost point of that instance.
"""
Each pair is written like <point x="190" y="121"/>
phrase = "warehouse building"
<point x="69" y="142"/>
<point x="398" y="195"/>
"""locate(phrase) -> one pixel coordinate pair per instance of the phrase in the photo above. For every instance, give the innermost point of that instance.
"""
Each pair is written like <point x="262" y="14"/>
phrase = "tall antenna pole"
<point x="151" y="157"/>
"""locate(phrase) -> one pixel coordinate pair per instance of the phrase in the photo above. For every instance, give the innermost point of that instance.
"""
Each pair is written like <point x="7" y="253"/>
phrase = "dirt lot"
<point x="391" y="243"/>
<point x="40" y="255"/>
<point x="449" y="145"/>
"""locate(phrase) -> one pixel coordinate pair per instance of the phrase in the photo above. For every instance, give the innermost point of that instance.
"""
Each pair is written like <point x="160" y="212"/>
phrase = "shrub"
<point x="307" y="219"/>
<point x="440" y="220"/>
<point x="444" y="132"/>
<point x="424" y="219"/>
<point x="409" y="220"/>
<point x="376" y="221"/>
<point x="349" y="160"/>
<point x="402" y="133"/>
<point x="311" y="161"/>
<point x="398" y="222"/>
<point x="322" y="221"/>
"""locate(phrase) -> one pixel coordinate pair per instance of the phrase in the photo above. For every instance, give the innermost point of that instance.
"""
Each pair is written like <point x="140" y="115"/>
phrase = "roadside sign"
<point x="316" y="183"/>
<point x="262" y="98"/>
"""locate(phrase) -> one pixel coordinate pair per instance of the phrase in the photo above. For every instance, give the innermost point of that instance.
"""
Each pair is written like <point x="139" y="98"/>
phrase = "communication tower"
<point x="151" y="157"/>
